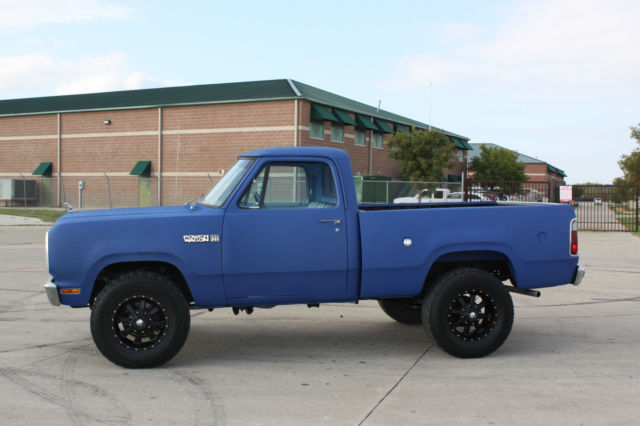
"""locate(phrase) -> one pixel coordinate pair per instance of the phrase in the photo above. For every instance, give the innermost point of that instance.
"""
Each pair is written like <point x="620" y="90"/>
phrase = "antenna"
<point x="430" y="90"/>
<point x="379" y="102"/>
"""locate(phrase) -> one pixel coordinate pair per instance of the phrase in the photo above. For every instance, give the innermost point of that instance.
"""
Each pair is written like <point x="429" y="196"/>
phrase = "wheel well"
<point x="116" y="269"/>
<point x="494" y="263"/>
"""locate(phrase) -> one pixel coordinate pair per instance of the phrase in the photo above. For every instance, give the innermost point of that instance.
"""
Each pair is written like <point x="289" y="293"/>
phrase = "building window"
<point x="337" y="132"/>
<point x="377" y="140"/>
<point x="316" y="129"/>
<point x="360" y="137"/>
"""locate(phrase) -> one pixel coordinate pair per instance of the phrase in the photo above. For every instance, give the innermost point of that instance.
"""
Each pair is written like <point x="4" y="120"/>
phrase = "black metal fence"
<point x="598" y="207"/>
<point x="606" y="207"/>
<point x="532" y="192"/>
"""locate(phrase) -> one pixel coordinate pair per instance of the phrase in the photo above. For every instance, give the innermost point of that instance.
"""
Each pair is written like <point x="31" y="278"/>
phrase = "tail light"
<point x="574" y="237"/>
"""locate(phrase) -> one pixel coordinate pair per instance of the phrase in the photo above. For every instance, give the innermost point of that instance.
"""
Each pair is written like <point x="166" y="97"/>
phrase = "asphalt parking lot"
<point x="572" y="358"/>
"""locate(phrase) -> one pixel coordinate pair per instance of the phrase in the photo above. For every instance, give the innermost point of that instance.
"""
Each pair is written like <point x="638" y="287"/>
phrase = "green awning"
<point x="383" y="125"/>
<point x="401" y="128"/>
<point x="43" y="169"/>
<point x="456" y="142"/>
<point x="142" y="168"/>
<point x="365" y="122"/>
<point x="344" y="117"/>
<point x="321" y="112"/>
<point x="461" y="143"/>
<point x="556" y="170"/>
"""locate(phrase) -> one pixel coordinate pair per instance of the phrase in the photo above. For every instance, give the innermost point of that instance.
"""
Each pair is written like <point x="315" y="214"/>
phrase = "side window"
<point x="316" y="129"/>
<point x="360" y="137"/>
<point x="291" y="186"/>
<point x="337" y="133"/>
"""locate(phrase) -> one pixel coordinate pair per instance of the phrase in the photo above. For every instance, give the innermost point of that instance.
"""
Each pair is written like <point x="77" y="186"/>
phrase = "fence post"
<point x="387" y="193"/>
<point x="24" y="189"/>
<point x="108" y="188"/>
<point x="637" y="207"/>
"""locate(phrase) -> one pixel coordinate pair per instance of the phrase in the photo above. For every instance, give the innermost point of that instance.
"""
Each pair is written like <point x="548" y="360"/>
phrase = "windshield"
<point x="219" y="193"/>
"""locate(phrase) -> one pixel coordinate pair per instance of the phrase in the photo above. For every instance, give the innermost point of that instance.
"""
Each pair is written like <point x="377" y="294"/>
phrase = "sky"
<point x="558" y="80"/>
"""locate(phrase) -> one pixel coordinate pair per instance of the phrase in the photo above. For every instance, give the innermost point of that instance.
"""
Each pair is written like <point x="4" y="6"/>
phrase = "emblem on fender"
<point x="201" y="238"/>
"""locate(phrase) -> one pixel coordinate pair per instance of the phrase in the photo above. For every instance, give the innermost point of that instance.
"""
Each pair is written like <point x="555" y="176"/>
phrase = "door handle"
<point x="334" y="221"/>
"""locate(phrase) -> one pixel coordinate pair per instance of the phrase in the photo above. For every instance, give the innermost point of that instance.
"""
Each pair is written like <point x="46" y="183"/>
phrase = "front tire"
<point x="468" y="312"/>
<point x="140" y="320"/>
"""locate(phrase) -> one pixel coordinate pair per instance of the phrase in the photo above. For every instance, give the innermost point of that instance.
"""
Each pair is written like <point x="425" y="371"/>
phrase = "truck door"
<point x="284" y="239"/>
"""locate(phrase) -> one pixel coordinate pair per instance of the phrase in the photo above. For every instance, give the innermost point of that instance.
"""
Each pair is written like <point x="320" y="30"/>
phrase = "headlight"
<point x="46" y="249"/>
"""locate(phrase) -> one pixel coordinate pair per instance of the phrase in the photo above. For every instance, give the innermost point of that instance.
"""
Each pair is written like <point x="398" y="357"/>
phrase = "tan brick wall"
<point x="254" y="114"/>
<point x="107" y="154"/>
<point x="23" y="156"/>
<point x="136" y="120"/>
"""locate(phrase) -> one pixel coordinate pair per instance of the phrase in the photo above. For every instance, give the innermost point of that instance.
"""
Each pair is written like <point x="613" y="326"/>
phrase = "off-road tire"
<point x="468" y="312"/>
<point x="140" y="320"/>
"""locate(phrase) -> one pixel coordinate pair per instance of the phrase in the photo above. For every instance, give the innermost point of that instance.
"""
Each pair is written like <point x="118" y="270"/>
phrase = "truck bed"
<point x="534" y="240"/>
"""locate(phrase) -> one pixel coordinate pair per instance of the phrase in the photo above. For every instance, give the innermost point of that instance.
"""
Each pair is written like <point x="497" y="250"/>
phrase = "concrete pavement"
<point x="572" y="358"/>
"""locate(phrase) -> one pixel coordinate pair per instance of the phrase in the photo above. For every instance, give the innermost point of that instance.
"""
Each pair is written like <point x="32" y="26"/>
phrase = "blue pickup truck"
<point x="283" y="226"/>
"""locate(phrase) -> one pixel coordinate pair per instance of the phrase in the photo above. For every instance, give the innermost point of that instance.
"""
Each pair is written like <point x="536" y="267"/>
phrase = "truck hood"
<point x="130" y="213"/>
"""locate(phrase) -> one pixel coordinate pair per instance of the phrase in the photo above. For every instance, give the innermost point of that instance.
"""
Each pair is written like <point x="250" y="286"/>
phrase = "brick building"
<point x="536" y="170"/>
<point x="169" y="136"/>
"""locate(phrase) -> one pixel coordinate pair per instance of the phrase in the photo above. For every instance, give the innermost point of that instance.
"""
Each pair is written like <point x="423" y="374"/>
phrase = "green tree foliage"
<point x="422" y="154"/>
<point x="498" y="164"/>
<point x="630" y="164"/>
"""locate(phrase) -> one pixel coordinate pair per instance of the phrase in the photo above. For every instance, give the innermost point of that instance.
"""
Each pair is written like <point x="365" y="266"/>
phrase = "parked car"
<point x="440" y="195"/>
<point x="459" y="196"/>
<point x="283" y="226"/>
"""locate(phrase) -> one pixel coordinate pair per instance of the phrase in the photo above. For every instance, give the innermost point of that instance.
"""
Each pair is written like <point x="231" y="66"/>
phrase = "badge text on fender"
<point x="201" y="238"/>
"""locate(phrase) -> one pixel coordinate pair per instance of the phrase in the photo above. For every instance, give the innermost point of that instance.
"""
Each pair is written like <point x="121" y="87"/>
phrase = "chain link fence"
<point x="100" y="192"/>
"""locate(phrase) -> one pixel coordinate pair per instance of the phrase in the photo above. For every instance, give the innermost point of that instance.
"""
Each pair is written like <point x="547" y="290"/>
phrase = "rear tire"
<point x="468" y="312"/>
<point x="405" y="311"/>
<point x="140" y="320"/>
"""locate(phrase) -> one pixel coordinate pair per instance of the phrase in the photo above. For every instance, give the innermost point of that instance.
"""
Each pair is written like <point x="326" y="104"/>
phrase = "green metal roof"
<point x="344" y="117"/>
<point x="522" y="158"/>
<point x="43" y="169"/>
<point x="251" y="91"/>
<point x="142" y="168"/>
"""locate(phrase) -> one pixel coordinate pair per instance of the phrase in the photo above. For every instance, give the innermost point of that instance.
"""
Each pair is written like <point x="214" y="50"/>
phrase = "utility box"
<point x="18" y="189"/>
<point x="372" y="188"/>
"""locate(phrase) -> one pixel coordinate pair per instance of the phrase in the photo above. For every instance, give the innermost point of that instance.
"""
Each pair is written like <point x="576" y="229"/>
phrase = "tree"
<point x="422" y="154"/>
<point x="630" y="164"/>
<point x="498" y="164"/>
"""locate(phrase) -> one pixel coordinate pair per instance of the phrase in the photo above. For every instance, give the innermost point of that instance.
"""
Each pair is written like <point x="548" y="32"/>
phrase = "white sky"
<point x="558" y="80"/>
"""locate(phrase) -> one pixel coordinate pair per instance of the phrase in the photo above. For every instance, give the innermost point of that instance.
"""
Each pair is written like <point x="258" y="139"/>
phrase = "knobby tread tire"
<point x="140" y="284"/>
<point x="438" y="299"/>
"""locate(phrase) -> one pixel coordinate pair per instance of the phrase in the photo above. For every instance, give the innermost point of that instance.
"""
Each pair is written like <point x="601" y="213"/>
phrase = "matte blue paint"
<point x="282" y="256"/>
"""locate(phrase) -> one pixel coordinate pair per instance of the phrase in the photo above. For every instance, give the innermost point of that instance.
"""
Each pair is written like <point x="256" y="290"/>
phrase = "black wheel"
<point x="140" y="319"/>
<point x="468" y="312"/>
<point x="405" y="311"/>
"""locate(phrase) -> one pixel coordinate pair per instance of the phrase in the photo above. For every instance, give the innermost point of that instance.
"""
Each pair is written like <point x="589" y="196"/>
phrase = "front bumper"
<point x="577" y="279"/>
<point x="52" y="293"/>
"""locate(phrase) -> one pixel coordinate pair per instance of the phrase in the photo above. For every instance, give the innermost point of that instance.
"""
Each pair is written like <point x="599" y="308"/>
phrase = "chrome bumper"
<point x="52" y="293"/>
<point x="580" y="271"/>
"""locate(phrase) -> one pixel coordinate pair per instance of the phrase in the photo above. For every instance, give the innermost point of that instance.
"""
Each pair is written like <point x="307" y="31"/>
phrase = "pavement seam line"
<point x="395" y="385"/>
